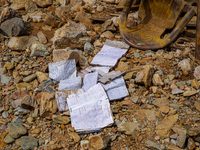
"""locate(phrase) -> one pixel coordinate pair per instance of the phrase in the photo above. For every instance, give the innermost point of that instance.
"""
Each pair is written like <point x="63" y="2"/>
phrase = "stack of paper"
<point x="90" y="110"/>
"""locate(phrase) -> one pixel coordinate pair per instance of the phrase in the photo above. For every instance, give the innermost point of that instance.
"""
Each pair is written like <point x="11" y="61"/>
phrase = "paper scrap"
<point x="108" y="56"/>
<point x="61" y="98"/>
<point x="90" y="80"/>
<point x="110" y="76"/>
<point x="90" y="110"/>
<point x="70" y="84"/>
<point x="116" y="89"/>
<point x="62" y="70"/>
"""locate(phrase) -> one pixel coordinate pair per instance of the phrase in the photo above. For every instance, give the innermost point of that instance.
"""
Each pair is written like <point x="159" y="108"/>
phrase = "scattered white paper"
<point x="62" y="70"/>
<point x="108" y="56"/>
<point x="90" y="110"/>
<point x="70" y="84"/>
<point x="61" y="98"/>
<point x="90" y="80"/>
<point x="116" y="89"/>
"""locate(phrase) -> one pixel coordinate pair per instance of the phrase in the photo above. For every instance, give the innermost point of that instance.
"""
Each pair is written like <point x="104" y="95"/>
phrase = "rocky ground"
<point x="161" y="112"/>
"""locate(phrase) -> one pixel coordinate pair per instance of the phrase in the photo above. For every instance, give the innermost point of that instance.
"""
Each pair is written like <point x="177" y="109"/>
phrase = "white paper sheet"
<point x="70" y="84"/>
<point x="90" y="80"/>
<point x="116" y="89"/>
<point x="90" y="110"/>
<point x="61" y="98"/>
<point x="62" y="70"/>
<point x="108" y="56"/>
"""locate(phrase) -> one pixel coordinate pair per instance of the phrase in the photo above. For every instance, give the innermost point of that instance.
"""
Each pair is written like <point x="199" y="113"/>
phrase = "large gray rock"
<point x="21" y="43"/>
<point x="69" y="33"/>
<point x="16" y="129"/>
<point x="27" y="142"/>
<point x="12" y="27"/>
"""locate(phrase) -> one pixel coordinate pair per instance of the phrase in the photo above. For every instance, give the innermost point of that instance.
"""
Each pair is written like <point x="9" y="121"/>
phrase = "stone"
<point x="21" y="43"/>
<point x="197" y="72"/>
<point x="189" y="93"/>
<point x="88" y="48"/>
<point x="38" y="49"/>
<point x="128" y="76"/>
<point x="185" y="65"/>
<point x="182" y="135"/>
<point x="197" y="105"/>
<point x="174" y="136"/>
<point x="191" y="144"/>
<point x="83" y="18"/>
<point x="48" y="104"/>
<point x="164" y="109"/>
<point x="74" y="136"/>
<point x="17" y="5"/>
<point x="70" y="32"/>
<point x="42" y="38"/>
<point x="195" y="84"/>
<point x="171" y="77"/>
<point x="156" y="79"/>
<point x="108" y="35"/>
<point x="122" y="66"/>
<point x="27" y="142"/>
<point x="193" y="131"/>
<point x="91" y="2"/>
<point x="146" y="114"/>
<point x="84" y="144"/>
<point x="60" y="119"/>
<point x="109" y="1"/>
<point x="173" y="147"/>
<point x="163" y="128"/>
<point x="29" y="78"/>
<point x="99" y="141"/>
<point x="64" y="54"/>
<point x="9" y="139"/>
<point x="27" y="102"/>
<point x="21" y="85"/>
<point x="42" y="76"/>
<point x="177" y="91"/>
<point x="100" y="8"/>
<point x="12" y="27"/>
<point x="5" y="114"/>
<point x="43" y="3"/>
<point x="161" y="102"/>
<point x="8" y="65"/>
<point x="152" y="145"/>
<point x="61" y="12"/>
<point x="5" y="79"/>
<point x="186" y="51"/>
<point x="30" y="6"/>
<point x="16" y="129"/>
<point x="30" y="120"/>
<point x="145" y="76"/>
<point x="128" y="127"/>
<point x="8" y="13"/>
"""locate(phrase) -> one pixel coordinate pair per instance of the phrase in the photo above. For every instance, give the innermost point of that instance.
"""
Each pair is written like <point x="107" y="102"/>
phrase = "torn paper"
<point x="108" y="56"/>
<point x="116" y="89"/>
<point x="70" y="84"/>
<point x="90" y="110"/>
<point x="62" y="70"/>
<point x="117" y="44"/>
<point x="61" y="98"/>
<point x="90" y="80"/>
<point x="110" y="76"/>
